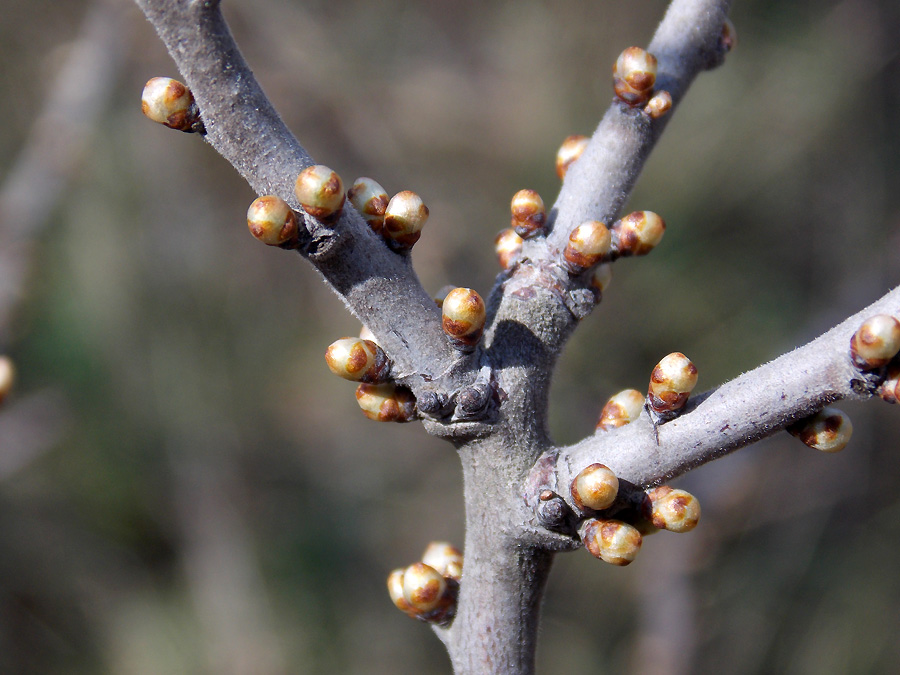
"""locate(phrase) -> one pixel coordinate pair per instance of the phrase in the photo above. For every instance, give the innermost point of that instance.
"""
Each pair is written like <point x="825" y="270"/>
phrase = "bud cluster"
<point x="634" y="76"/>
<point x="428" y="590"/>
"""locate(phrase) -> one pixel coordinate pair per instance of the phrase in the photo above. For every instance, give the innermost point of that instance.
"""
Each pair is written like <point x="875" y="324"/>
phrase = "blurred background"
<point x="184" y="488"/>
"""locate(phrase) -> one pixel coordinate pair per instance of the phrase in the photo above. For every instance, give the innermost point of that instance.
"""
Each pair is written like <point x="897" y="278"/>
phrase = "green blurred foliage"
<point x="217" y="503"/>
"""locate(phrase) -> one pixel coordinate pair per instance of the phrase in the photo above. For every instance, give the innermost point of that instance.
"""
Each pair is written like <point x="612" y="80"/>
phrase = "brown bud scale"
<point x="612" y="541"/>
<point x="358" y="360"/>
<point x="829" y="430"/>
<point x="595" y="487"/>
<point x="638" y="233"/>
<point x="320" y="192"/>
<point x="507" y="245"/>
<point x="463" y="316"/>
<point x="621" y="409"/>
<point x="570" y="150"/>
<point x="371" y="200"/>
<point x="386" y="402"/>
<point x="528" y="213"/>
<point x="588" y="244"/>
<point x="671" y="383"/>
<point x="674" y="510"/>
<point x="273" y="222"/>
<point x="404" y="218"/>
<point x="170" y="103"/>
<point x="876" y="342"/>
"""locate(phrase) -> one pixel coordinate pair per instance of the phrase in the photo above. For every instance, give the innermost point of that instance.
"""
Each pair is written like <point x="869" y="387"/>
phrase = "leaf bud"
<point x="273" y="222"/>
<point x="876" y="342"/>
<point x="612" y="541"/>
<point x="445" y="558"/>
<point x="570" y="150"/>
<point x="423" y="587"/>
<point x="463" y="318"/>
<point x="588" y="243"/>
<point x="395" y="590"/>
<point x="320" y="192"/>
<point x="671" y="382"/>
<point x="386" y="402"/>
<point x="508" y="244"/>
<point x="7" y="376"/>
<point x="638" y="233"/>
<point x="728" y="39"/>
<point x="658" y="105"/>
<point x="890" y="389"/>
<point x="358" y="360"/>
<point x="595" y="487"/>
<point x="371" y="200"/>
<point x="171" y="103"/>
<point x="634" y="75"/>
<point x="829" y="430"/>
<point x="601" y="279"/>
<point x="528" y="213"/>
<point x="404" y="218"/>
<point x="674" y="510"/>
<point x="621" y="409"/>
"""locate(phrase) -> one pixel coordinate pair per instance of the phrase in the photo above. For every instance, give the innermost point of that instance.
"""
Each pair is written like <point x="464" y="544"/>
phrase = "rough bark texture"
<point x="507" y="455"/>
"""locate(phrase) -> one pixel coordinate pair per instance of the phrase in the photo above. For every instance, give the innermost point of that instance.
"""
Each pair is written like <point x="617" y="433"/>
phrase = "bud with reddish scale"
<point x="829" y="430"/>
<point x="445" y="558"/>
<point x="395" y="590"/>
<point x="423" y="587"/>
<point x="634" y="75"/>
<point x="570" y="150"/>
<point x="508" y="245"/>
<point x="273" y="222"/>
<point x="404" y="218"/>
<point x="320" y="192"/>
<point x="658" y="105"/>
<point x="595" y="487"/>
<point x="674" y="510"/>
<point x="671" y="383"/>
<point x="876" y="342"/>
<point x="7" y="376"/>
<point x="371" y="200"/>
<point x="621" y="409"/>
<point x="588" y="244"/>
<point x="890" y="389"/>
<point x="463" y="318"/>
<point x="170" y="103"/>
<point x="358" y="360"/>
<point x="612" y="541"/>
<point x="386" y="402"/>
<point x="637" y="233"/>
<point x="528" y="213"/>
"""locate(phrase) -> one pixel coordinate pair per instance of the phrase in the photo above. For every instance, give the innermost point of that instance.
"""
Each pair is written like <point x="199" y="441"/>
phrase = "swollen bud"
<point x="386" y="402"/>
<point x="395" y="590"/>
<point x="876" y="342"/>
<point x="588" y="243"/>
<point x="404" y="218"/>
<point x="273" y="222"/>
<point x="528" y="213"/>
<point x="658" y="105"/>
<point x="612" y="541"/>
<point x="463" y="316"/>
<point x="445" y="558"/>
<point x="423" y="587"/>
<point x="169" y="102"/>
<point x="638" y="233"/>
<point x="508" y="244"/>
<point x="595" y="487"/>
<point x="621" y="409"/>
<point x="568" y="152"/>
<point x="829" y="430"/>
<point x="320" y="192"/>
<point x="358" y="360"/>
<point x="7" y="376"/>
<point x="674" y="510"/>
<point x="671" y="382"/>
<point x="634" y="75"/>
<point x="371" y="200"/>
